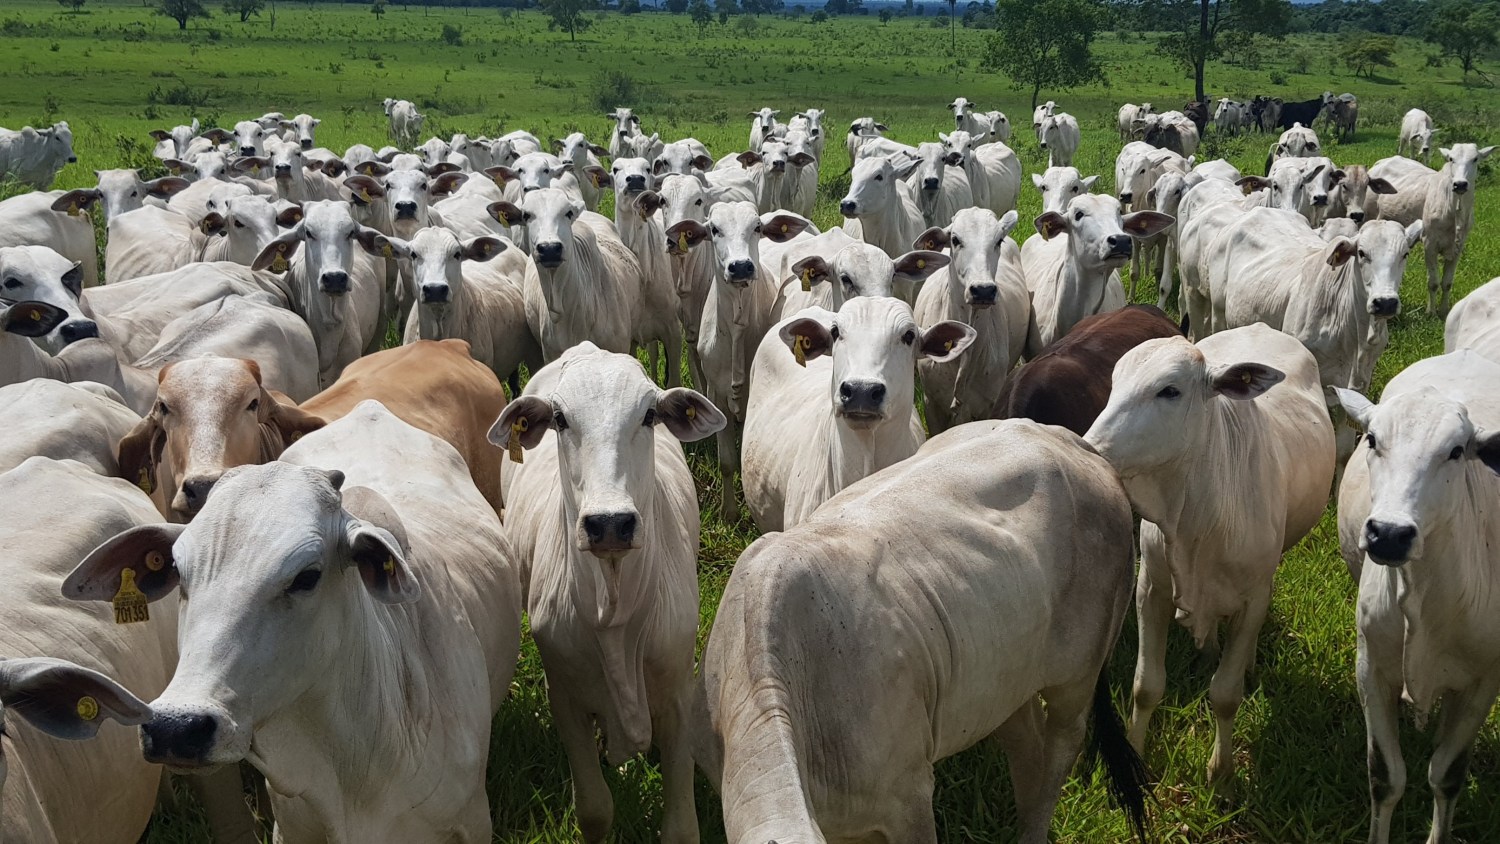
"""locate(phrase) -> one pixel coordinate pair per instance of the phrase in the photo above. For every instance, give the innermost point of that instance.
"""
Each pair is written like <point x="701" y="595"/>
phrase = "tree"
<point x="244" y="8"/>
<point x="377" y="8"/>
<point x="1047" y="43"/>
<point x="568" y="15"/>
<point x="1363" y="55"/>
<point x="181" y="11"/>
<point x="677" y="7"/>
<point x="1464" y="30"/>
<point x="1196" y="28"/>
<point x="725" y="8"/>
<point x="630" y="7"/>
<point x="75" y="5"/>
<point x="885" y="15"/>
<point x="701" y="14"/>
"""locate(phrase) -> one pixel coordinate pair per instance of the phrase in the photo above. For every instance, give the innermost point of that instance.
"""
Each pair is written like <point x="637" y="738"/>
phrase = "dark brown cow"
<point x="1068" y="383"/>
<point x="1198" y="113"/>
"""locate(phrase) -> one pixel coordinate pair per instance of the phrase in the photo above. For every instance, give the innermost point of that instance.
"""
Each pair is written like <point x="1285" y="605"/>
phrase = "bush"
<point x="182" y="94"/>
<point x="613" y="88"/>
<point x="630" y="7"/>
<point x="819" y="16"/>
<point x="1278" y="78"/>
<point x="940" y="21"/>
<point x="453" y="36"/>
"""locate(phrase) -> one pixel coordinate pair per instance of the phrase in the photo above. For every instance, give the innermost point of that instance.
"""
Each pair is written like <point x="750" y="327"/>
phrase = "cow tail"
<point x="1129" y="781"/>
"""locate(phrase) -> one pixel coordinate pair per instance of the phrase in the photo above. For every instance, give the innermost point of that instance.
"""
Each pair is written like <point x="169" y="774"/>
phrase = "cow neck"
<point x="854" y="454"/>
<point x="563" y="287"/>
<point x="886" y="231"/>
<point x="1080" y="291"/>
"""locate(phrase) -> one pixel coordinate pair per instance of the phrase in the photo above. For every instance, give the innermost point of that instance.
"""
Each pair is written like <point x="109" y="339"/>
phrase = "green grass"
<point x="1300" y="734"/>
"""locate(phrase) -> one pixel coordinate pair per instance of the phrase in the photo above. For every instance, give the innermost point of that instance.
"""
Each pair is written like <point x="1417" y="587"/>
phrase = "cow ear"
<point x="598" y="150"/>
<point x="1143" y="224"/>
<point x="363" y="189"/>
<point x="333" y="168"/>
<point x="218" y="136"/>
<point x="688" y="415"/>
<point x="1340" y="251"/>
<point x="212" y="224"/>
<point x="521" y="425"/>
<point x="1251" y="184"/>
<point x="703" y="162"/>
<point x="945" y="341"/>
<point x="658" y="167"/>
<point x="501" y="175"/>
<point x="72" y="279"/>
<point x="933" y="239"/>
<point x="390" y="246"/>
<point x="177" y="166"/>
<point x="748" y="158"/>
<point x="1487" y="449"/>
<point x="505" y="213"/>
<point x="953" y="159"/>
<point x="648" y="202"/>
<point x="372" y="168"/>
<point x="137" y="453"/>
<point x="1379" y="185"/>
<point x="1037" y="180"/>
<point x="31" y="318"/>
<point x="1484" y="152"/>
<point x="289" y="216"/>
<point x="1051" y="224"/>
<point x="76" y="200"/>
<point x="447" y="183"/>
<point x="597" y="176"/>
<point x="292" y="421"/>
<point x="166" y="186"/>
<point x="807" y="337"/>
<point x="145" y="551"/>
<point x="372" y="241"/>
<point x="918" y="265"/>
<point x="442" y="168"/>
<point x="1243" y="380"/>
<point x="811" y="269"/>
<point x="1088" y="182"/>
<point x="376" y="539"/>
<point x="1359" y="408"/>
<point x="684" y="235"/>
<point x="250" y="163"/>
<point x="160" y="135"/>
<point x="482" y="248"/>
<point x="277" y="255"/>
<point x="65" y="700"/>
<point x="783" y="227"/>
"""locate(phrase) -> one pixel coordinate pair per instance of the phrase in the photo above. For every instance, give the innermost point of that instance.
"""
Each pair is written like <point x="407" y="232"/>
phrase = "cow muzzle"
<point x="1120" y="246"/>
<point x="193" y="493"/>
<point x="861" y="403"/>
<point x="307" y="143"/>
<point x="740" y="272"/>
<point x="435" y="294"/>
<point x="550" y="254"/>
<point x="247" y="151"/>
<point x="930" y="185"/>
<point x="78" y="329"/>
<point x="849" y="208"/>
<point x="1389" y="543"/>
<point x="982" y="296"/>
<point x="1385" y="306"/>
<point x="334" y="283"/>
<point x="1357" y="216"/>
<point x="180" y="740"/>
<point x="406" y="210"/>
<point x="609" y="535"/>
<point x="1460" y="187"/>
<point x="72" y="159"/>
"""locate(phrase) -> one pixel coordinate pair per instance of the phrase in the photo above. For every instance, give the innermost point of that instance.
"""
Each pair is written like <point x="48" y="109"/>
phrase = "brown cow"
<point x="1068" y="383"/>
<point x="434" y="385"/>
<point x="211" y="414"/>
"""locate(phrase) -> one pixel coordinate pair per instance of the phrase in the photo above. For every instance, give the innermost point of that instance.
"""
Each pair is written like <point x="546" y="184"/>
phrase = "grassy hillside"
<point x="116" y="72"/>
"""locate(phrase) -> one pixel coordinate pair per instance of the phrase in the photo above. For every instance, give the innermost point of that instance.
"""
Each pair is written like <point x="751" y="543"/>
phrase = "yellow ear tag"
<point x="682" y="241"/>
<point x="88" y="708"/>
<point x="296" y="435"/>
<point x="517" y="428"/>
<point x="36" y="315"/>
<point x="387" y="251"/>
<point x="278" y="263"/>
<point x="799" y="349"/>
<point x="72" y="209"/>
<point x="364" y="194"/>
<point x="691" y="411"/>
<point x="807" y="280"/>
<point x="144" y="481"/>
<point x="155" y="561"/>
<point x="948" y="346"/>
<point x="921" y="264"/>
<point x="1245" y="376"/>
<point x="783" y="228"/>
<point x="130" y="602"/>
<point x="390" y="566"/>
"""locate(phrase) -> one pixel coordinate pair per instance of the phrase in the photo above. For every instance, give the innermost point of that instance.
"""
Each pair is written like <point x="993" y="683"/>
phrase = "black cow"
<point x="1304" y="112"/>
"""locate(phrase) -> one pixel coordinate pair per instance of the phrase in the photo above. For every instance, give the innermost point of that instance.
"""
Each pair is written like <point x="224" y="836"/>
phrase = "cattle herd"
<point x="312" y="554"/>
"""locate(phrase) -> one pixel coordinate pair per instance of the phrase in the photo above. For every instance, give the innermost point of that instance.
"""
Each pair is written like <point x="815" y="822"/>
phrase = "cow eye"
<point x="714" y="230"/>
<point x="909" y="337"/>
<point x="699" y="202"/>
<point x="757" y="229"/>
<point x="135" y="193"/>
<point x="880" y="178"/>
<point x="1078" y="215"/>
<point x="161" y="408"/>
<point x="12" y="283"/>
<point x="305" y="581"/>
<point x="423" y="187"/>
<point x="238" y="224"/>
<point x="1044" y="188"/>
<point x="559" y="421"/>
<point x="846" y="280"/>
<point x="1457" y="453"/>
<point x="1075" y="189"/>
<point x="833" y="333"/>
<point x="1363" y="256"/>
<point x="309" y="235"/>
<point x="955" y="242"/>
<point x="254" y="405"/>
<point x="650" y="417"/>
<point x="1168" y="392"/>
<point x="1370" y="440"/>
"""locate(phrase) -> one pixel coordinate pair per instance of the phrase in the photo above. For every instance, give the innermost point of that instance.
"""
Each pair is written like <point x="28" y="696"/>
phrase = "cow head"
<point x="38" y="274"/>
<point x="974" y="241"/>
<point x="249" y="222"/>
<point x="1098" y="237"/>
<point x="1463" y="165"/>
<point x="1060" y="186"/>
<point x="119" y="191"/>
<point x="437" y="257"/>
<point x="1376" y="256"/>
<point x="329" y="234"/>
<point x="860" y="269"/>
<point x="872" y="186"/>
<point x="548" y="217"/>
<point x="304" y="125"/>
<point x="735" y="229"/>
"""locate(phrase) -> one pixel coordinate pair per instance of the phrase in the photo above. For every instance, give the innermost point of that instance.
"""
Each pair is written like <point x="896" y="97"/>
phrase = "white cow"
<point x="1060" y="185"/>
<point x="984" y="128"/>
<point x="1298" y="185"/>
<point x="1416" y="135"/>
<point x="882" y="209"/>
<point x="844" y="382"/>
<point x="38" y="274"/>
<point x="582" y="157"/>
<point x="1244" y="476"/>
<point x="684" y="199"/>
<point x="763" y="127"/>
<point x="176" y="142"/>
<point x="828" y="269"/>
<point x="33" y="156"/>
<point x="811" y="121"/>
<point x="1357" y="195"/>
<point x="687" y="157"/>
<point x="983" y="600"/>
<point x="1040" y="114"/>
<point x="736" y="314"/>
<point x="1297" y="142"/>
<point x="334" y="286"/>
<point x="994" y="171"/>
<point x="941" y="185"/>
<point x="1137" y="169"/>
<point x="860" y="133"/>
<point x="405" y="121"/>
<point x="150" y="241"/>
<point x="1230" y="116"/>
<point x="250" y="138"/>
<point x="1059" y="137"/>
<point x="47" y="418"/>
<point x="300" y="130"/>
<point x="1129" y="114"/>
<point x="640" y="227"/>
<point x="29" y="220"/>
<point x="984" y="287"/>
<point x="1418" y="502"/>
<point x="800" y="184"/>
<point x="377" y="641"/>
<point x="64" y="791"/>
<point x="120" y="191"/>
<point x="604" y="519"/>
<point x="1443" y="201"/>
<point x="627" y="127"/>
<point x="1474" y="322"/>
<point x="1202" y="214"/>
<point x="1075" y="276"/>
<point x="239" y="228"/>
<point x="583" y="283"/>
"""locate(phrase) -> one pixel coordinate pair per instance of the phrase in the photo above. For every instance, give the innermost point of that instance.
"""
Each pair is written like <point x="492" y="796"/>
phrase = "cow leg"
<point x="591" y="798"/>
<point x="914" y="824"/>
<point x="695" y="368"/>
<point x="1153" y="612"/>
<point x="673" y="350"/>
<point x="1449" y="265"/>
<point x="1464" y="713"/>
<point x="1227" y="690"/>
<point x="674" y="741"/>
<point x="1025" y="752"/>
<point x="1067" y="720"/>
<point x="1381" y="699"/>
<point x="653" y="356"/>
<point x="1168" y="267"/>
<point x="1431" y="257"/>
<point x="729" y="460"/>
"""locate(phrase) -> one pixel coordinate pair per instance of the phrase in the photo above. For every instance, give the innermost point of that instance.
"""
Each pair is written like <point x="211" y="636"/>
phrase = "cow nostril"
<point x="877" y="393"/>
<point x="77" y="330"/>
<point x="929" y="184"/>
<point x="1119" y="243"/>
<point x="1385" y="306"/>
<point x="848" y="208"/>
<point x="612" y="531"/>
<point x="435" y="293"/>
<point x="196" y="490"/>
<point x="1389" y="543"/>
<point x="335" y="282"/>
<point x="178" y="738"/>
<point x="1357" y="216"/>
<point x="1126" y="196"/>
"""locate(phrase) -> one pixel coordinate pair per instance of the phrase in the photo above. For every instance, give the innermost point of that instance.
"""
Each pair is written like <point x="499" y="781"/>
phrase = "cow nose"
<point x="530" y="188"/>
<point x="78" y="329"/>
<point x="635" y="183"/>
<point x="1126" y="196"/>
<point x="848" y="208"/>
<point x="610" y="531"/>
<point x="1119" y="244"/>
<point x="624" y="134"/>
<point x="307" y="143"/>
<point x="283" y="170"/>
<point x="1387" y="543"/>
<point x="549" y="254"/>
<point x="1460" y="187"/>
<point x="929" y="184"/>
<point x="1320" y="199"/>
<point x="406" y="210"/>
<point x="72" y="159"/>
<point x="983" y="295"/>
<point x="861" y="398"/>
<point x="435" y="294"/>
<point x="247" y="150"/>
<point x="1385" y="306"/>
<point x="175" y="739"/>
<point x="741" y="270"/>
<point x="1357" y="216"/>
<point x="195" y="492"/>
<point x="334" y="282"/>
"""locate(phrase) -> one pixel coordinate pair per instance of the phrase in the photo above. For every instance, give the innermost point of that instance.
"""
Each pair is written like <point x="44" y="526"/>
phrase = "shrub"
<point x="453" y="36"/>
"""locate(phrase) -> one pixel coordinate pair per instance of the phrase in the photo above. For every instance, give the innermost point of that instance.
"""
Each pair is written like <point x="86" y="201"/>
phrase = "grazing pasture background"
<point x="117" y="71"/>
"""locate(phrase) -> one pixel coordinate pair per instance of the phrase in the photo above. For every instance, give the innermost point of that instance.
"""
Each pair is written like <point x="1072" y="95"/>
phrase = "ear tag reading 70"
<point x="517" y="428"/>
<point x="130" y="602"/>
<point x="799" y="349"/>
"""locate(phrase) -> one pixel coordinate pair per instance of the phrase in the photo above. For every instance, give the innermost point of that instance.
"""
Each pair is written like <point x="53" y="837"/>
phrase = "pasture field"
<point x="116" y="72"/>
